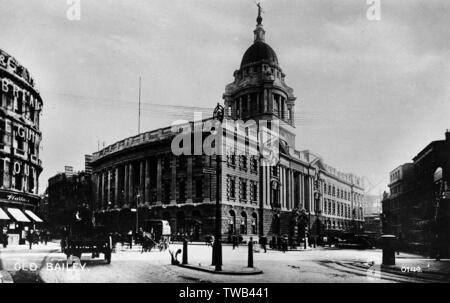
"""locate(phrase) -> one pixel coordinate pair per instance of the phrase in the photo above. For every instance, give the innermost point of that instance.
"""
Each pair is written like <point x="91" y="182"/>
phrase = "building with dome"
<point x="297" y="195"/>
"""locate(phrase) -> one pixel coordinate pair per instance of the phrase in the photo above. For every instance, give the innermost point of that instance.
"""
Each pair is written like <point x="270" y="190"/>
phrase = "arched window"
<point x="243" y="226"/>
<point x="232" y="222"/>
<point x="254" y="223"/>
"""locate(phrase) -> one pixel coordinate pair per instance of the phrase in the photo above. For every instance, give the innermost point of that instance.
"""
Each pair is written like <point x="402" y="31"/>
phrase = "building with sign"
<point x="266" y="187"/>
<point x="417" y="207"/>
<point x="20" y="136"/>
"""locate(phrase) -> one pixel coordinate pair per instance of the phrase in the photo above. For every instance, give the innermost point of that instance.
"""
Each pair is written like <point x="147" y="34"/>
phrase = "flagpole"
<point x="139" y="114"/>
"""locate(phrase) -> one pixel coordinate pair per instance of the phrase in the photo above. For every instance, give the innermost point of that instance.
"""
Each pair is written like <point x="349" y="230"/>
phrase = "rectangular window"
<point x="255" y="191"/>
<point x="199" y="188"/>
<point x="167" y="189"/>
<point x="2" y="132"/>
<point x="232" y="188"/>
<point x="276" y="105"/>
<point x="243" y="163"/>
<point x="181" y="191"/>
<point x="243" y="190"/>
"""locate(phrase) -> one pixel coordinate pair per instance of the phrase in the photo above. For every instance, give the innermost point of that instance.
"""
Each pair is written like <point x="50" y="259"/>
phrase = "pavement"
<point x="329" y="265"/>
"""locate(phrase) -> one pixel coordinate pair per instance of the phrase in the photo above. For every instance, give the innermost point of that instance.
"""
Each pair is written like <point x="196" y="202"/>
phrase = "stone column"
<point x="159" y="181"/>
<point x="173" y="189"/>
<point x="142" y="180"/>
<point x="291" y="189"/>
<point x="116" y="186"/>
<point x="258" y="103"/>
<point x="108" y="186"/>
<point x="268" y="186"/>
<point x="189" y="190"/>
<point x="266" y="101"/>
<point x="130" y="184"/>
<point x="284" y="186"/>
<point x="98" y="188"/>
<point x="125" y="183"/>
<point x="147" y="181"/>
<point x="103" y="189"/>
<point x="311" y="191"/>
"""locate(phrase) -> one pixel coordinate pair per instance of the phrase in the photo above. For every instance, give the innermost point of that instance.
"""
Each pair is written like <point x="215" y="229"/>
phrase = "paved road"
<point x="23" y="264"/>
<point x="129" y="266"/>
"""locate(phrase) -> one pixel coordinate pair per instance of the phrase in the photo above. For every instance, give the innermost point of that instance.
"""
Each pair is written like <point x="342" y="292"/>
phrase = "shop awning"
<point x="33" y="216"/>
<point x="3" y="215"/>
<point x="18" y="215"/>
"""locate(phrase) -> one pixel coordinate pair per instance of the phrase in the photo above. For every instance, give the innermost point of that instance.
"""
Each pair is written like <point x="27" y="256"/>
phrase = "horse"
<point x="209" y="240"/>
<point x="147" y="243"/>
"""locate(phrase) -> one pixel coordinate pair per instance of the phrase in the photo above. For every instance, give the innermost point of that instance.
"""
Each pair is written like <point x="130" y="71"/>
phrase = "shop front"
<point x="17" y="218"/>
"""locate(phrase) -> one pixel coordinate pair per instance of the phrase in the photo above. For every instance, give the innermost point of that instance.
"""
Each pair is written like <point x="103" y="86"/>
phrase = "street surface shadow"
<point x="26" y="276"/>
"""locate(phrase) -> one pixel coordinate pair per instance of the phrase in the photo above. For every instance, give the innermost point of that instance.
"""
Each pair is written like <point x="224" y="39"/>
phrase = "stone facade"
<point x="257" y="198"/>
<point x="20" y="137"/>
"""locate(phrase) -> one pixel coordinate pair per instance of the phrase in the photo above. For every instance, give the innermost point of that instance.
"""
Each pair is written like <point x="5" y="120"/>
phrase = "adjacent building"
<point x="372" y="216"/>
<point x="20" y="137"/>
<point x="65" y="192"/>
<point x="417" y="207"/>
<point x="298" y="194"/>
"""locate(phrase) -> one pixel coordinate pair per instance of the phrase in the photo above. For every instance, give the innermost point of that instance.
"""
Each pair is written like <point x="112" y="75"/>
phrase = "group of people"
<point x="36" y="237"/>
<point x="4" y="239"/>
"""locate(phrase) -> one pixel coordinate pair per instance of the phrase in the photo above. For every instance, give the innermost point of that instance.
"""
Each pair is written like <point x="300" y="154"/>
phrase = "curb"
<point x="5" y="277"/>
<point x="395" y="268"/>
<point x="224" y="272"/>
<point x="397" y="271"/>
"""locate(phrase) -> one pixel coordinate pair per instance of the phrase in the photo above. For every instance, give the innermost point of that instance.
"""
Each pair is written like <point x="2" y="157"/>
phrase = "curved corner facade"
<point x="20" y="136"/>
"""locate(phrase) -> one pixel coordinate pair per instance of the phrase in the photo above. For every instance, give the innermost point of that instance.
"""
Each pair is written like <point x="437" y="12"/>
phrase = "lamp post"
<point x="217" y="246"/>
<point x="137" y="212"/>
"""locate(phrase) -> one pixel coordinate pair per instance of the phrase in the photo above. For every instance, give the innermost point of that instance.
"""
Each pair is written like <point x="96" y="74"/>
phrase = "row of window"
<point x="263" y="68"/>
<point x="181" y="191"/>
<point x="339" y="209"/>
<point x="181" y="162"/>
<point x="343" y="210"/>
<point x="337" y="192"/>
<point x="248" y="190"/>
<point x="23" y="139"/>
<point x="21" y="104"/>
<point x="252" y="103"/>
<point x="16" y="175"/>
<point x="242" y="162"/>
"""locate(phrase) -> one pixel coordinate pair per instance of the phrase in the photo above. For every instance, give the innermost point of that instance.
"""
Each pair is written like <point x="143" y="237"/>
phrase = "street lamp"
<point x="137" y="212"/>
<point x="217" y="246"/>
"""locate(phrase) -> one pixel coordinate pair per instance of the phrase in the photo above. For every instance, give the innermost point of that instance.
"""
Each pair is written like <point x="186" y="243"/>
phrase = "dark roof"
<point x="259" y="51"/>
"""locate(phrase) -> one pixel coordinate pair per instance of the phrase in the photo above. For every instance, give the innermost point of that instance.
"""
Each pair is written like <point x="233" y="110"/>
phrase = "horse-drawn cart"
<point x="85" y="237"/>
<point x="94" y="242"/>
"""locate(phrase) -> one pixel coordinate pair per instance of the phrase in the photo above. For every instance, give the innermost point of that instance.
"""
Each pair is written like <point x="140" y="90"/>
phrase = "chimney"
<point x="447" y="135"/>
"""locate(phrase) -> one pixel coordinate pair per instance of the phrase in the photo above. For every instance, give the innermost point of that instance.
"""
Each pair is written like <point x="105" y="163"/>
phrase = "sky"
<point x="370" y="93"/>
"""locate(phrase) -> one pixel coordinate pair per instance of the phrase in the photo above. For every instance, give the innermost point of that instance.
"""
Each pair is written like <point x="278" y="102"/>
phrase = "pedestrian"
<point x="5" y="240"/>
<point x="234" y="240"/>
<point x="140" y="236"/>
<point x="130" y="238"/>
<point x="284" y="244"/>
<point x="263" y="242"/>
<point x="29" y="238"/>
<point x="46" y="236"/>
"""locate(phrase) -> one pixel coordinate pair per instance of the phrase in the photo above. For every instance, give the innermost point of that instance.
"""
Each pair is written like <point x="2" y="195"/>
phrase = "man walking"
<point x="29" y="238"/>
<point x="263" y="242"/>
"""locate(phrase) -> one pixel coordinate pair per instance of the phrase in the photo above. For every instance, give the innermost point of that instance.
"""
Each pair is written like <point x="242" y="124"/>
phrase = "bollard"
<point x="250" y="253"/>
<point x="185" y="252"/>
<point x="388" y="246"/>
